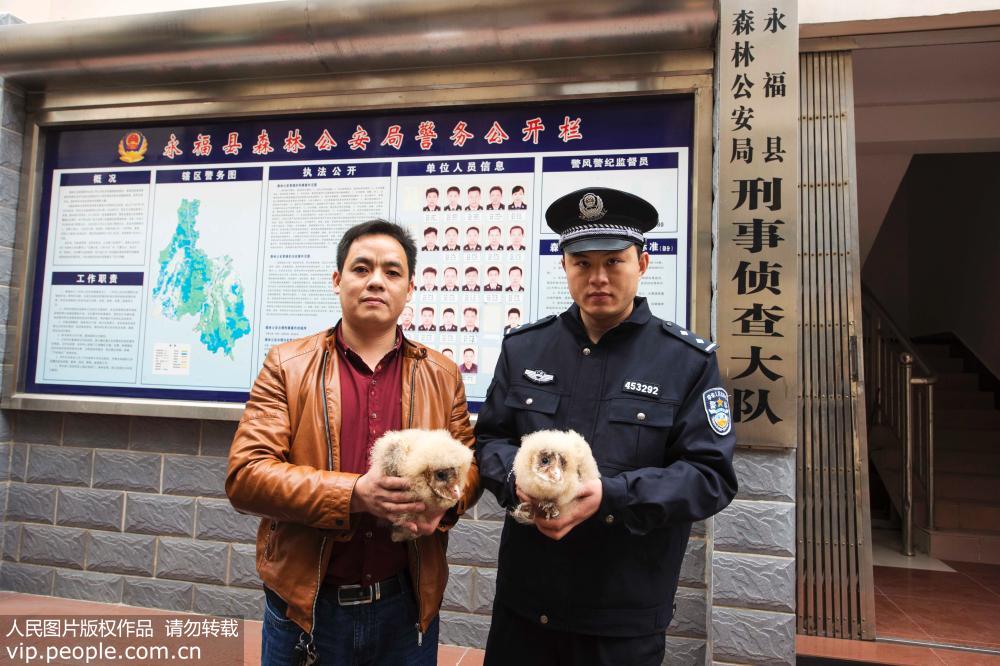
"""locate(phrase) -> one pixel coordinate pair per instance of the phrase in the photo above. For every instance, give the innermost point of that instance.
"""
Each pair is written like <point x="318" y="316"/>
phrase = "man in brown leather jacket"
<point x="338" y="590"/>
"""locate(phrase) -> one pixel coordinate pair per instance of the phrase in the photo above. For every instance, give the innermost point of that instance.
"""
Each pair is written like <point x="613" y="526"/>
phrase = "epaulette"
<point x="544" y="321"/>
<point x="687" y="336"/>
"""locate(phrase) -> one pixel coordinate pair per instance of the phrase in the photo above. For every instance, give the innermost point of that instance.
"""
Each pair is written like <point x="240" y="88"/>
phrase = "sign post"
<point x="758" y="302"/>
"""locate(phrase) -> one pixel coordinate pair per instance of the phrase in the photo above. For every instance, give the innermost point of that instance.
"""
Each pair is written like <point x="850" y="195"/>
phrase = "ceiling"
<point x="941" y="98"/>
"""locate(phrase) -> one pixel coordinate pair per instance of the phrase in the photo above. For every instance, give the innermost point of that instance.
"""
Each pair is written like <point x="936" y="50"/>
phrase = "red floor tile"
<point x="473" y="658"/>
<point x="450" y="655"/>
<point x="976" y="568"/>
<point x="987" y="575"/>
<point x="964" y="623"/>
<point x="15" y="603"/>
<point x="892" y="622"/>
<point x="960" y="658"/>
<point x="866" y="651"/>
<point x="939" y="585"/>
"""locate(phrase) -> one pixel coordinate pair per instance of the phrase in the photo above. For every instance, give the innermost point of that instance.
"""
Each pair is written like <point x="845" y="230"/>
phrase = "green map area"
<point x="192" y="284"/>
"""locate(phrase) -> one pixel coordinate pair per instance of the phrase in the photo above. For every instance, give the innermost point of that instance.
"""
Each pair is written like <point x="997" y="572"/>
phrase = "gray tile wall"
<point x="753" y="564"/>
<point x="96" y="511"/>
<point x="11" y="143"/>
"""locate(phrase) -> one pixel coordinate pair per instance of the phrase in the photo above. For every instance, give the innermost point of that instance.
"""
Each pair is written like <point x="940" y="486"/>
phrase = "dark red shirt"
<point x="370" y="405"/>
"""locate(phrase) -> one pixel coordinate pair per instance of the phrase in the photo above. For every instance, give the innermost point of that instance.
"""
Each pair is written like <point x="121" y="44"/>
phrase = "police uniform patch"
<point x="687" y="336"/>
<point x="524" y="328"/>
<point x="716" y="402"/>
<point x="539" y="376"/>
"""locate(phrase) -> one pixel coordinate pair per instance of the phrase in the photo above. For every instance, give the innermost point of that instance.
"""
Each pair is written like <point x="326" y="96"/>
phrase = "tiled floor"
<point x="452" y="655"/>
<point x="886" y="552"/>
<point x="874" y="652"/>
<point x="959" y="608"/>
<point x="13" y="603"/>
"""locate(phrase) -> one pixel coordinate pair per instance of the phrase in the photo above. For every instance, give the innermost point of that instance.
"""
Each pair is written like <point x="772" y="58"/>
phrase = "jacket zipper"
<point x="413" y="385"/>
<point x="326" y="413"/>
<point x="329" y="465"/>
<point x="270" y="539"/>
<point x="416" y="549"/>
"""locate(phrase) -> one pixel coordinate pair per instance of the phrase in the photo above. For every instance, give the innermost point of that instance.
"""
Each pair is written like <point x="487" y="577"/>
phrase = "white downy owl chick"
<point x="550" y="466"/>
<point x="435" y="464"/>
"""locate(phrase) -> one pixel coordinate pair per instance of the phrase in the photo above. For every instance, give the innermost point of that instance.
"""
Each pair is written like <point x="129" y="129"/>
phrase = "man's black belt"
<point x="355" y="595"/>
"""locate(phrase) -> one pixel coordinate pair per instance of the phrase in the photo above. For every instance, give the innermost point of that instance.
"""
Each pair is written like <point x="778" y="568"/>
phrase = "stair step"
<point x="961" y="462"/>
<point x="952" y="514"/>
<point x="887" y="463"/>
<point x="968" y="419"/>
<point x="931" y="350"/>
<point x="941" y="364"/>
<point x="952" y="399"/>
<point x="975" y="487"/>
<point x="958" y="437"/>
<point x="968" y="381"/>
<point x="966" y="545"/>
<point x="972" y="442"/>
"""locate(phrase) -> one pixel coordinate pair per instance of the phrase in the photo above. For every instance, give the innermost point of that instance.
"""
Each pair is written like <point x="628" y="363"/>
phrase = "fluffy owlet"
<point x="435" y="464"/>
<point x="550" y="466"/>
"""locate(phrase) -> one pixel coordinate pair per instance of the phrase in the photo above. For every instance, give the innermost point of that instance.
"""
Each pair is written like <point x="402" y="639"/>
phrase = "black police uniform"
<point x="642" y="398"/>
<point x="637" y="397"/>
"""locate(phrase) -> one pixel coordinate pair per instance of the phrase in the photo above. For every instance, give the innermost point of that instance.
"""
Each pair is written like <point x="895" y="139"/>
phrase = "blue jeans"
<point x="383" y="633"/>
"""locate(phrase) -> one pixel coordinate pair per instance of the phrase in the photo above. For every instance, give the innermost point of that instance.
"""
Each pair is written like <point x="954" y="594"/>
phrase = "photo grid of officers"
<point x="470" y="271"/>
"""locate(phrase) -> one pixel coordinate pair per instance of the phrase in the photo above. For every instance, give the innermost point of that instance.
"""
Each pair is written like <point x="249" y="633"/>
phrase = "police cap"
<point x="600" y="218"/>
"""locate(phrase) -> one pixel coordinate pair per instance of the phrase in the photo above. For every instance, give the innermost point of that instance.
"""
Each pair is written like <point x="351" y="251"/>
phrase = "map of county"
<point x="193" y="284"/>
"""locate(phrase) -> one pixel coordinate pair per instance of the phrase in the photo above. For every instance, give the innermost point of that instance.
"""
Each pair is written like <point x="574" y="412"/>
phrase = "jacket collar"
<point x="409" y="348"/>
<point x="413" y="349"/>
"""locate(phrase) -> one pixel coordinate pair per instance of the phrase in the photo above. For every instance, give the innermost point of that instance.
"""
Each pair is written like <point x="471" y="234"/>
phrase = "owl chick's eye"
<point x="441" y="475"/>
<point x="545" y="460"/>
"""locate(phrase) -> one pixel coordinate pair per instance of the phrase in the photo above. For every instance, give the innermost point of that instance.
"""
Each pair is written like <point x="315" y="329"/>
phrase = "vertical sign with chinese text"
<point x="758" y="295"/>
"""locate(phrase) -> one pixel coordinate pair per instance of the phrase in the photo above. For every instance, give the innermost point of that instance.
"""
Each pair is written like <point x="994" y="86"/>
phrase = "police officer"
<point x="596" y="584"/>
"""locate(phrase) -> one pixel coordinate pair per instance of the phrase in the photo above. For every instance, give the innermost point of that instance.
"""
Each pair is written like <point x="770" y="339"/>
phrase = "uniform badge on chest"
<point x="717" y="407"/>
<point x="641" y="388"/>
<point x="539" y="376"/>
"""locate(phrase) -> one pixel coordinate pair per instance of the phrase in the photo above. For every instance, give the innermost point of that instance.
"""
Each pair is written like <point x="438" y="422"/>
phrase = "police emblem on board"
<point x="591" y="207"/>
<point x="132" y="147"/>
<point x="717" y="407"/>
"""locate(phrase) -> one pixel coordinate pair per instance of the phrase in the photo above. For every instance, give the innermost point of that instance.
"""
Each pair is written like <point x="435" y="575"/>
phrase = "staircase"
<point x="966" y="461"/>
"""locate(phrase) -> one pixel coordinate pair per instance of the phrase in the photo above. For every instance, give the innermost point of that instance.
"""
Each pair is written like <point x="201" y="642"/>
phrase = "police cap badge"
<point x="600" y="218"/>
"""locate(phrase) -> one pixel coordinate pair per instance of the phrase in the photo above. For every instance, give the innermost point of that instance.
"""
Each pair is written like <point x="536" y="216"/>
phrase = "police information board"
<point x="171" y="258"/>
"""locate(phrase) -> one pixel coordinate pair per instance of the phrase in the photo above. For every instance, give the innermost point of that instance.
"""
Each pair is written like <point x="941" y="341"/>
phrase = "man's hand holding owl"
<point x="585" y="505"/>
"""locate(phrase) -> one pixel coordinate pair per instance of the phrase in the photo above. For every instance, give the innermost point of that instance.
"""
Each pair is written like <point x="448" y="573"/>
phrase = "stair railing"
<point x="900" y="395"/>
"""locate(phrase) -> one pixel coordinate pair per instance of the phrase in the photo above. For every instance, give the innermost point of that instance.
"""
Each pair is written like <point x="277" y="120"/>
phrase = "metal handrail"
<point x="929" y="383"/>
<point x="870" y="301"/>
<point x="902" y="401"/>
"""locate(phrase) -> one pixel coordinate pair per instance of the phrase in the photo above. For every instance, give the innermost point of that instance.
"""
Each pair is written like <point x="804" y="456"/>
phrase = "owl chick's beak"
<point x="451" y="493"/>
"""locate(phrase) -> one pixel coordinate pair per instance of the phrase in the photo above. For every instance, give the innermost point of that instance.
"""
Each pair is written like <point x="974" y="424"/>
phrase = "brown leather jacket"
<point x="285" y="457"/>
